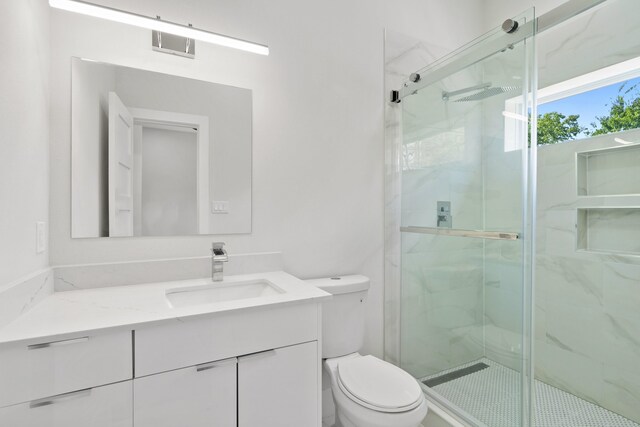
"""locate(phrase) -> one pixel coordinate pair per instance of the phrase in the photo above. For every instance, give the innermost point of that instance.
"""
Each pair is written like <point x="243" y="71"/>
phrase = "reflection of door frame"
<point x="156" y="118"/>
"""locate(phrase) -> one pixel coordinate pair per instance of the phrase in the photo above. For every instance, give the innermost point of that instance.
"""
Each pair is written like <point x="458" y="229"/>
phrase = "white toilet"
<point x="367" y="391"/>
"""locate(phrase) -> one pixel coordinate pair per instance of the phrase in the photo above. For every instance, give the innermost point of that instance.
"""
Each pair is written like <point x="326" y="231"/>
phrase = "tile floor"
<point x="492" y="396"/>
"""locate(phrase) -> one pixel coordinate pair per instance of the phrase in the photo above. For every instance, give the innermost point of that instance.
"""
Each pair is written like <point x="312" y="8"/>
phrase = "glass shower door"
<point x="466" y="278"/>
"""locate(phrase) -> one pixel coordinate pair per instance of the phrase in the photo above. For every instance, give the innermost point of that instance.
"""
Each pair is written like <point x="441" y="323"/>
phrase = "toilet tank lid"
<point x="341" y="284"/>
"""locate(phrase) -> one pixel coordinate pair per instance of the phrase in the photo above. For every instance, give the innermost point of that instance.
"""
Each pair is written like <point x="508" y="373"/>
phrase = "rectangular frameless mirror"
<point x="157" y="155"/>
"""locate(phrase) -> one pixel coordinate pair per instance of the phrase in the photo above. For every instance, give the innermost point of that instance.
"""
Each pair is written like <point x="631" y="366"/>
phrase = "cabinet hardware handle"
<point x="216" y="364"/>
<point x="258" y="355"/>
<point x="59" y="398"/>
<point x="57" y="343"/>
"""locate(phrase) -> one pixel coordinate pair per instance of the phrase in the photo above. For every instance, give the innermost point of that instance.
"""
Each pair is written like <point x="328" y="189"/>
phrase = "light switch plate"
<point x="219" y="207"/>
<point x="41" y="242"/>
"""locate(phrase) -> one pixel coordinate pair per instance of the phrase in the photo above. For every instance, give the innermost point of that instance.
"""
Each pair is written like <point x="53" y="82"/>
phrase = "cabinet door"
<point x="198" y="396"/>
<point x="279" y="388"/>
<point x="107" y="406"/>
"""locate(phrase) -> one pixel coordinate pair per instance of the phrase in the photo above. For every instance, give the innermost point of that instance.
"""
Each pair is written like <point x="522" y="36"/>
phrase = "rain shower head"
<point x="482" y="91"/>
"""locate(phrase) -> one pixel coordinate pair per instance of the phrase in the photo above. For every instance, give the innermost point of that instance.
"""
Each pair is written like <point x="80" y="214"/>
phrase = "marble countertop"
<point x="63" y="314"/>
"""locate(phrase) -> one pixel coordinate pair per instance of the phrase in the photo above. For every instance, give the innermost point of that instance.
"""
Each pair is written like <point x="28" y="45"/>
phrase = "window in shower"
<point x="598" y="103"/>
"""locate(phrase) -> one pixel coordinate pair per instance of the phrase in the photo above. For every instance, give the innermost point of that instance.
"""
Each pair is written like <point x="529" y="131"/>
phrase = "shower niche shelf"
<point x="612" y="230"/>
<point x="611" y="171"/>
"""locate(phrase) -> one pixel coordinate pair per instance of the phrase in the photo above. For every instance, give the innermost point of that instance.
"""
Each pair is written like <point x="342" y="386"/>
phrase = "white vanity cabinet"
<point x="279" y="387"/>
<point x="72" y="381"/>
<point x="253" y="363"/>
<point x="189" y="342"/>
<point x="278" y="370"/>
<point x="49" y="367"/>
<point x="106" y="406"/>
<point x="197" y="396"/>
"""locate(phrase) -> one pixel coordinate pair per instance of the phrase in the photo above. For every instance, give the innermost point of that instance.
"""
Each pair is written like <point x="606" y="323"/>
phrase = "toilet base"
<point x="342" y="420"/>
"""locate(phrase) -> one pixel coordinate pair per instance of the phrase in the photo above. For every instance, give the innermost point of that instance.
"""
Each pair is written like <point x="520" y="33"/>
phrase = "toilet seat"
<point x="378" y="385"/>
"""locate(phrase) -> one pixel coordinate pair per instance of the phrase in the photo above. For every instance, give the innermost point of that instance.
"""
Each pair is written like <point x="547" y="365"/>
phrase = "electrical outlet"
<point x="219" y="207"/>
<point x="41" y="239"/>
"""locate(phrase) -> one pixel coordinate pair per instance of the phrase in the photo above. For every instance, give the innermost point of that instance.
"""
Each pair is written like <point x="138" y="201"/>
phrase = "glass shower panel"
<point x="464" y="191"/>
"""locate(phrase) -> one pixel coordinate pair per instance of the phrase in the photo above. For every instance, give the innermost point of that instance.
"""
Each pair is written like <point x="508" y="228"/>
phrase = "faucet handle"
<point x="219" y="254"/>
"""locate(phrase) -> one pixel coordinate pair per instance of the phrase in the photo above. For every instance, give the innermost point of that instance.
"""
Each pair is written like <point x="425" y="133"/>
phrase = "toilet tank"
<point x="343" y="315"/>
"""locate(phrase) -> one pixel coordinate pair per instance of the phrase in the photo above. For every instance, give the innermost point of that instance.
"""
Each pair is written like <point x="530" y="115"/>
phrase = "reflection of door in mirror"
<point x="120" y="168"/>
<point x="158" y="172"/>
<point x="161" y="188"/>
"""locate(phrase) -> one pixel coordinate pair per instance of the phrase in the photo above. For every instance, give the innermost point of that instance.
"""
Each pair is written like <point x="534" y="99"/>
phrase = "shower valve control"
<point x="444" y="214"/>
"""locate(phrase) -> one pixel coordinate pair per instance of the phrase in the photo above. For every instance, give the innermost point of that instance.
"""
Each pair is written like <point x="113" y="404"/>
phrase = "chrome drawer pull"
<point x="59" y="398"/>
<point x="258" y="355"/>
<point x="57" y="343"/>
<point x="211" y="365"/>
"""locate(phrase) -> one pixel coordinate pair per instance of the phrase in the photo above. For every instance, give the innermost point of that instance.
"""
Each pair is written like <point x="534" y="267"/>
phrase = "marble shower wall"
<point x="458" y="296"/>
<point x="442" y="307"/>
<point x="442" y="276"/>
<point x="403" y="56"/>
<point x="433" y="308"/>
<point x="504" y="171"/>
<point x="587" y="302"/>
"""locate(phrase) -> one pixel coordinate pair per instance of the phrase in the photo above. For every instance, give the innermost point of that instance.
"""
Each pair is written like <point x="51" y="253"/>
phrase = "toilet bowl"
<point x="367" y="391"/>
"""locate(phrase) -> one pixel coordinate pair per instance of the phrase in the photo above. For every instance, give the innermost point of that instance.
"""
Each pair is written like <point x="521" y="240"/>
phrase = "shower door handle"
<point x="454" y="232"/>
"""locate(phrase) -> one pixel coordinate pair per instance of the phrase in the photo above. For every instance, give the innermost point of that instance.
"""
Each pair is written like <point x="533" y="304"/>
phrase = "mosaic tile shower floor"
<point x="491" y="395"/>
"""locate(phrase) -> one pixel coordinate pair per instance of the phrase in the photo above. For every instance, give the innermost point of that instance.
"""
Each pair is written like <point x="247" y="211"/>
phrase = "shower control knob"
<point x="510" y="26"/>
<point x="414" y="77"/>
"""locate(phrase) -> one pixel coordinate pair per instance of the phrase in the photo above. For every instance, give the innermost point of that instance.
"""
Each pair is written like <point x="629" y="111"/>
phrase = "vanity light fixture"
<point x="157" y="25"/>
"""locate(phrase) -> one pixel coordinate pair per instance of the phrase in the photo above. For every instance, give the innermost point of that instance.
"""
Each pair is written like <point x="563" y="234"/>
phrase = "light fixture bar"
<point x="111" y="14"/>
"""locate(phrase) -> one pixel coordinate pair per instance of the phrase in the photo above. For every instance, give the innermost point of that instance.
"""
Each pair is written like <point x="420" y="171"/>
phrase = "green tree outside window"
<point x="624" y="114"/>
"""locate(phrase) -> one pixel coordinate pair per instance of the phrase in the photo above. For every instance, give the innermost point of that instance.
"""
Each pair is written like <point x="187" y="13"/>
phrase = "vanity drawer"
<point x="190" y="342"/>
<point x="107" y="406"/>
<point x="205" y="395"/>
<point x="40" y="369"/>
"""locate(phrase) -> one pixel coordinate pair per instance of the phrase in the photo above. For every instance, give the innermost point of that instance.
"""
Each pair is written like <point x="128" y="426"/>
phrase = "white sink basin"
<point x="223" y="292"/>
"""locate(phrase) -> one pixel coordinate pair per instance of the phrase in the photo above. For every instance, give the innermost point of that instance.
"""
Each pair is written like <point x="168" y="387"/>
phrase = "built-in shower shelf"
<point x="609" y="172"/>
<point x="613" y="230"/>
<point x="456" y="232"/>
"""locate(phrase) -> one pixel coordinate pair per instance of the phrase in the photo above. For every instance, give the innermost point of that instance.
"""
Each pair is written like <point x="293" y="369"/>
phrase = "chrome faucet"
<point x="218" y="256"/>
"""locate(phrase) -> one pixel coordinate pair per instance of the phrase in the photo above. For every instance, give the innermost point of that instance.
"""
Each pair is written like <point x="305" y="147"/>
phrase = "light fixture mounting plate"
<point x="172" y="44"/>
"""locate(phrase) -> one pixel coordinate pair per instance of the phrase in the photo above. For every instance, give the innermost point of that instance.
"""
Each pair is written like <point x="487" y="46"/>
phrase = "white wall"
<point x="24" y="135"/>
<point x="317" y="127"/>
